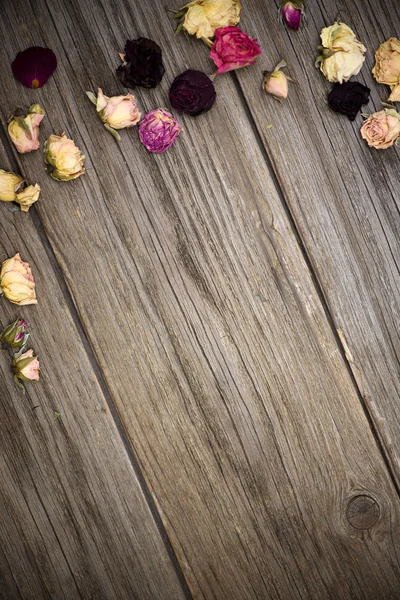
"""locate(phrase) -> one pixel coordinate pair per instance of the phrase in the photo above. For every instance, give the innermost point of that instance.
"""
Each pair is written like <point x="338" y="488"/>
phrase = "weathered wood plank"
<point x="232" y="388"/>
<point x="74" y="520"/>
<point x="344" y="196"/>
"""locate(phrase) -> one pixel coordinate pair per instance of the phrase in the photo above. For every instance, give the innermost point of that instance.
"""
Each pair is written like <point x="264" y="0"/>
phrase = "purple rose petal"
<point x="33" y="66"/>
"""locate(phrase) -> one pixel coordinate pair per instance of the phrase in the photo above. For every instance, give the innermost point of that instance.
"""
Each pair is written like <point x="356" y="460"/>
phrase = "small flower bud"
<point x="276" y="82"/>
<point x="291" y="13"/>
<point x="16" y="334"/>
<point x="28" y="196"/>
<point x="24" y="131"/>
<point x="64" y="156"/>
<point x="16" y="281"/>
<point x="26" y="367"/>
<point x="116" y="112"/>
<point x="9" y="185"/>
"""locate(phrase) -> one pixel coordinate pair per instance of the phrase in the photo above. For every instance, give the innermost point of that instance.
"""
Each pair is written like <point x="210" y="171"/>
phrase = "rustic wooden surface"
<point x="209" y="283"/>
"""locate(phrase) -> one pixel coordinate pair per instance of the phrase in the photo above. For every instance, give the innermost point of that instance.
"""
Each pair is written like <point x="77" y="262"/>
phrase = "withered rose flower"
<point x="276" y="82"/>
<point x="192" y="92"/>
<point x="24" y="130"/>
<point x="64" y="156"/>
<point x="387" y="67"/>
<point x="233" y="49"/>
<point x="158" y="130"/>
<point x="33" y="66"/>
<point x="16" y="334"/>
<point x="347" y="98"/>
<point x="292" y="12"/>
<point x="10" y="183"/>
<point x="142" y="64"/>
<point x="341" y="54"/>
<point x="16" y="281"/>
<point x="382" y="129"/>
<point x="26" y="367"/>
<point x="202" y="17"/>
<point x="28" y="196"/>
<point x="117" y="112"/>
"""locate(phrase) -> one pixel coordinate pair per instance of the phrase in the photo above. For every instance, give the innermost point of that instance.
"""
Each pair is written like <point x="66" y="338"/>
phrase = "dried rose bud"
<point x="25" y="198"/>
<point x="26" y="367"/>
<point x="142" y="64"/>
<point x="33" y="66"/>
<point x="64" y="156"/>
<point x="292" y="12"/>
<point x="276" y="82"/>
<point x="116" y="112"/>
<point x="24" y="131"/>
<point x="10" y="183"/>
<point x="158" y="130"/>
<point x="192" y="92"/>
<point x="16" y="334"/>
<point x="347" y="98"/>
<point x="16" y="281"/>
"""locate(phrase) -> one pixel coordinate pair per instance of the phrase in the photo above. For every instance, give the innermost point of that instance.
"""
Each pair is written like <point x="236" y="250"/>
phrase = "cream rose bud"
<point x="10" y="183"/>
<point x="382" y="129"/>
<point x="64" y="156"/>
<point x="26" y="367"/>
<point x="24" y="131"/>
<point x="342" y="55"/>
<point x="16" y="281"/>
<point x="28" y="196"/>
<point x="203" y="17"/>
<point x="387" y="67"/>
<point x="276" y="82"/>
<point x="117" y="112"/>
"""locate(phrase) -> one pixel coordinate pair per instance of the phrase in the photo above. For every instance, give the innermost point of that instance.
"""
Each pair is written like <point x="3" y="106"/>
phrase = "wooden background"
<point x="218" y="327"/>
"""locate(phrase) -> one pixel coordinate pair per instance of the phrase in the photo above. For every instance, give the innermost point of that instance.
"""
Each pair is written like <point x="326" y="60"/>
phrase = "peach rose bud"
<point x="25" y="198"/>
<point x="26" y="367"/>
<point x="382" y="129"/>
<point x="10" y="183"/>
<point x="276" y="82"/>
<point x="64" y="156"/>
<point x="117" y="112"/>
<point x="24" y="131"/>
<point x="16" y="281"/>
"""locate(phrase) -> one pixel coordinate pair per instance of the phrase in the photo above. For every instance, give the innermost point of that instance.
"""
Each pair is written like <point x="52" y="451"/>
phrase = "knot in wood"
<point x="363" y="512"/>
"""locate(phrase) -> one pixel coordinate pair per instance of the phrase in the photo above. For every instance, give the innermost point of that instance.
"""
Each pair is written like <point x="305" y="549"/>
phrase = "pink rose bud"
<point x="159" y="130"/>
<point x="233" y="49"/>
<point x="291" y="13"/>
<point x="117" y="112"/>
<point x="276" y="82"/>
<point x="26" y="367"/>
<point x="24" y="131"/>
<point x="16" y="334"/>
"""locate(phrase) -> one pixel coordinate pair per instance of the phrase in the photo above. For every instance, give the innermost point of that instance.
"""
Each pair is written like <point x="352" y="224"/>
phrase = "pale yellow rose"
<point x="24" y="131"/>
<point x="28" y="196"/>
<point x="203" y="17"/>
<point x="387" y="67"/>
<point x="16" y="281"/>
<point x="342" y="55"/>
<point x="276" y="82"/>
<point x="66" y="159"/>
<point x="382" y="129"/>
<point x="10" y="183"/>
<point x="117" y="112"/>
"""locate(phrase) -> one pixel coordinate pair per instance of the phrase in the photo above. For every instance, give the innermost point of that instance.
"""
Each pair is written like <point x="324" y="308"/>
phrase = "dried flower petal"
<point x="33" y="66"/>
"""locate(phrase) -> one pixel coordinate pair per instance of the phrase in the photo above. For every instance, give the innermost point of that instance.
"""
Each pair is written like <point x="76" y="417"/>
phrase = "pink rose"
<point x="382" y="129"/>
<point x="26" y="367"/>
<point x="233" y="49"/>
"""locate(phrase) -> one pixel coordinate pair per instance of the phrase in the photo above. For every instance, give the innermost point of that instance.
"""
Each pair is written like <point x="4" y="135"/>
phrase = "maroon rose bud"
<point x="16" y="334"/>
<point x="192" y="92"/>
<point x="33" y="66"/>
<point x="291" y="12"/>
<point x="142" y="64"/>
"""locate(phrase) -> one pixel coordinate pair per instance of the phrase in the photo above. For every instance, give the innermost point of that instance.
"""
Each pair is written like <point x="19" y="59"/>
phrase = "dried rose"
<point x="203" y="17"/>
<point x="24" y="131"/>
<point x="347" y="98"/>
<point x="382" y="129"/>
<point x="342" y="55"/>
<point x="276" y="82"/>
<point x="33" y="66"/>
<point x="292" y="12"/>
<point x="387" y="67"/>
<point x="16" y="334"/>
<point x="142" y="64"/>
<point x="28" y="196"/>
<point x="192" y="92"/>
<point x="64" y="156"/>
<point x="233" y="49"/>
<point x="10" y="183"/>
<point x="16" y="281"/>
<point x="116" y="112"/>
<point x="26" y="367"/>
<point x="158" y="130"/>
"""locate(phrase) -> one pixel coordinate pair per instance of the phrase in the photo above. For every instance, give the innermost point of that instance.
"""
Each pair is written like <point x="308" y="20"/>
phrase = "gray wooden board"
<point x="344" y="196"/>
<point x="74" y="520"/>
<point x="207" y="326"/>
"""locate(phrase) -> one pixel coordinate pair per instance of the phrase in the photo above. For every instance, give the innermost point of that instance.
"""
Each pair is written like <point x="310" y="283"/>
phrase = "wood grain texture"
<point x="343" y="196"/>
<point x="74" y="520"/>
<point x="232" y="388"/>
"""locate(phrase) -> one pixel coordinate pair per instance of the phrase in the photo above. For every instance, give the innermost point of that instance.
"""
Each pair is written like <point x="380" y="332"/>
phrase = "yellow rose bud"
<point x="276" y="82"/>
<point x="66" y="159"/>
<point x="387" y="67"/>
<point x="9" y="185"/>
<point x="342" y="55"/>
<point x="16" y="281"/>
<point x="24" y="131"/>
<point x="28" y="196"/>
<point x="203" y="17"/>
<point x="117" y="112"/>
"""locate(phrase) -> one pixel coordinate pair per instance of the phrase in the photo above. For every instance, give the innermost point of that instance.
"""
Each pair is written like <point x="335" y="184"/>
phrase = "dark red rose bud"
<point x="33" y="66"/>
<point x="142" y="64"/>
<point x="347" y="98"/>
<point x="192" y="92"/>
